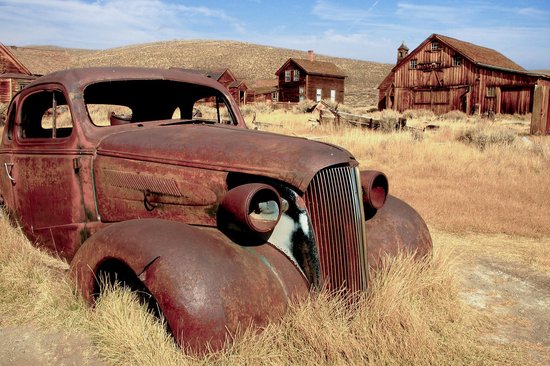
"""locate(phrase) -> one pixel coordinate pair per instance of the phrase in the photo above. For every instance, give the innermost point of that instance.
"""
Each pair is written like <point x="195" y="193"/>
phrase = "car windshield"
<point x="130" y="101"/>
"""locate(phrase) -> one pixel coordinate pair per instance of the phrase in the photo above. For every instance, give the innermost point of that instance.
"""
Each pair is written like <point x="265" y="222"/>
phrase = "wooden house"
<point x="444" y="74"/>
<point x="301" y="79"/>
<point x="14" y="76"/>
<point x="264" y="90"/>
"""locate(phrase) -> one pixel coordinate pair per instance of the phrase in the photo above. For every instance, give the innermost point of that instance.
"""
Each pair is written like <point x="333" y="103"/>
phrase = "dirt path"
<point x="25" y="346"/>
<point x="516" y="299"/>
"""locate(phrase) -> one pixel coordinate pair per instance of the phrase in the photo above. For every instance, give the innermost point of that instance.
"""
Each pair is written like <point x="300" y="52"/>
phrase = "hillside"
<point x="247" y="61"/>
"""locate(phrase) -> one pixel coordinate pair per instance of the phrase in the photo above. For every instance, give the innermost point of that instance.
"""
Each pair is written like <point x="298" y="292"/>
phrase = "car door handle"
<point x="8" y="171"/>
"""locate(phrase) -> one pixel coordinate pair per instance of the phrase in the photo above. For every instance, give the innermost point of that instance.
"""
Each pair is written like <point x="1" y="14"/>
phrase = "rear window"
<point x="131" y="101"/>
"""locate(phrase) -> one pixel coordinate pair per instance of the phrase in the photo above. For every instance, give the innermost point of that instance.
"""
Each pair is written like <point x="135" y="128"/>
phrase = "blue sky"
<point x="368" y="30"/>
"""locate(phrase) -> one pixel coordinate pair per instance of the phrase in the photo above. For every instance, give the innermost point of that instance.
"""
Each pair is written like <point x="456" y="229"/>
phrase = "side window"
<point x="45" y="114"/>
<point x="213" y="109"/>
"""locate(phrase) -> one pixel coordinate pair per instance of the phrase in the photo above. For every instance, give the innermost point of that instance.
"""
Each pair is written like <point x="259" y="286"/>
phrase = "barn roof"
<point x="482" y="56"/>
<point x="479" y="55"/>
<point x="315" y="67"/>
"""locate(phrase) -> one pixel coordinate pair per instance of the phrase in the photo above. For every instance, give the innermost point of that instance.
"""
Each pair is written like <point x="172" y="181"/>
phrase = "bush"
<point x="482" y="138"/>
<point x="250" y="109"/>
<point x="389" y="120"/>
<point x="422" y="114"/>
<point x="455" y="116"/>
<point x="304" y="106"/>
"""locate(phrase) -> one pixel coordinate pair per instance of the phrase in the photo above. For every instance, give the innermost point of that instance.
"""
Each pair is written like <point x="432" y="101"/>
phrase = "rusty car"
<point x="219" y="225"/>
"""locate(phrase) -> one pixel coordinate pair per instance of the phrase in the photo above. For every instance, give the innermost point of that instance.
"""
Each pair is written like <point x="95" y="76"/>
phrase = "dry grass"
<point x="412" y="315"/>
<point x="495" y="181"/>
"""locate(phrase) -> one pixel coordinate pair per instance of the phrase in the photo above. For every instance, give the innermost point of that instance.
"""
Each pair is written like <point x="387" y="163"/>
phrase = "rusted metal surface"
<point x="396" y="228"/>
<point x="233" y="223"/>
<point x="204" y="291"/>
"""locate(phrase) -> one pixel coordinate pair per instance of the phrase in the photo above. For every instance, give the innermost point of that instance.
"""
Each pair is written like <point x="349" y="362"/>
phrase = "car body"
<point x="114" y="170"/>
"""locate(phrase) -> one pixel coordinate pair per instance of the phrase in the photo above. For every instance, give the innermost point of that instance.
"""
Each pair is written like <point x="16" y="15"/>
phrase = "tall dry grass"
<point x="411" y="315"/>
<point x="466" y="176"/>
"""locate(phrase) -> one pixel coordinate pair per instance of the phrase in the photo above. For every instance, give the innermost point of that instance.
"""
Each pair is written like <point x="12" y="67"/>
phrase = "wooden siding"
<point x="540" y="121"/>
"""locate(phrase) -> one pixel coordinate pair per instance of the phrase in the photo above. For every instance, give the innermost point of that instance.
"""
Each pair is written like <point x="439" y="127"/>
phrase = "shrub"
<point x="422" y="114"/>
<point x="250" y="109"/>
<point x="482" y="138"/>
<point x="304" y="106"/>
<point x="454" y="116"/>
<point x="389" y="120"/>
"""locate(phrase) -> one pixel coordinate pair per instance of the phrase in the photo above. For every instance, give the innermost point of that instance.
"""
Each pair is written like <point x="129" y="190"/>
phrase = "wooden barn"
<point x="444" y="74"/>
<point x="301" y="79"/>
<point x="14" y="76"/>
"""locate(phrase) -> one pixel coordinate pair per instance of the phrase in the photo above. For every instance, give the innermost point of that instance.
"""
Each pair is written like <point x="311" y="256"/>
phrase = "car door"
<point x="45" y="168"/>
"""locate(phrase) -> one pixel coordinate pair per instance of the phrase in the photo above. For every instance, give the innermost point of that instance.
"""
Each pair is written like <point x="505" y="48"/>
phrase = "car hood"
<point x="290" y="159"/>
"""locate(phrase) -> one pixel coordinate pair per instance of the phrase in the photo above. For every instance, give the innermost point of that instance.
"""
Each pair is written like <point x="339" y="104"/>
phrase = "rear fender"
<point x="396" y="228"/>
<point x="205" y="285"/>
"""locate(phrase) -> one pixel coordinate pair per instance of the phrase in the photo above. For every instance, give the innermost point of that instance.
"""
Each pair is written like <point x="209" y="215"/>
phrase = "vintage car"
<point x="220" y="226"/>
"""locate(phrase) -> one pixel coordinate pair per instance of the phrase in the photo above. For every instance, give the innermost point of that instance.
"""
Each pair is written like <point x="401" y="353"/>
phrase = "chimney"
<point x="311" y="55"/>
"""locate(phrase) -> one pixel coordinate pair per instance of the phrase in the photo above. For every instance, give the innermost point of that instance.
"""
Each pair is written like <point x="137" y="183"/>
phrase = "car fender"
<point x="396" y="228"/>
<point x="206" y="286"/>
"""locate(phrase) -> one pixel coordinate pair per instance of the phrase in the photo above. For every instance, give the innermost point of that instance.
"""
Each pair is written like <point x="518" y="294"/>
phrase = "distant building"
<point x="264" y="90"/>
<point x="301" y="79"/>
<point x="237" y="87"/>
<point x="444" y="74"/>
<point x="14" y="76"/>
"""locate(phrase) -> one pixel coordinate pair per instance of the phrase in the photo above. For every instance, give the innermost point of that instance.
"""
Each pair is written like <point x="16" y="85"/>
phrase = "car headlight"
<point x="375" y="189"/>
<point x="255" y="206"/>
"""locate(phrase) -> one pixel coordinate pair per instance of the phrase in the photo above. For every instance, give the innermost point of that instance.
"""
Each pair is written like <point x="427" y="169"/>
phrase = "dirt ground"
<point x="515" y="299"/>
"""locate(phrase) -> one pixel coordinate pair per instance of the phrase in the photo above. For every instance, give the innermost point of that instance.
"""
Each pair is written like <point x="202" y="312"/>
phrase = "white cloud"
<point x="107" y="23"/>
<point x="327" y="10"/>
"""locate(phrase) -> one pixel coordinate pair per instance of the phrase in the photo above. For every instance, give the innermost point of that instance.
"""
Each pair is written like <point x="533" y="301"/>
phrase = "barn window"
<point x="491" y="92"/>
<point x="319" y="95"/>
<point x="435" y="45"/>
<point x="413" y="64"/>
<point x="296" y="75"/>
<point x="457" y="60"/>
<point x="333" y="95"/>
<point x="302" y="93"/>
<point x="287" y="75"/>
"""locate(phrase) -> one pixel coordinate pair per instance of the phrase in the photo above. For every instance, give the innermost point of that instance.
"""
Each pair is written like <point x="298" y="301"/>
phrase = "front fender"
<point x="206" y="286"/>
<point x="396" y="228"/>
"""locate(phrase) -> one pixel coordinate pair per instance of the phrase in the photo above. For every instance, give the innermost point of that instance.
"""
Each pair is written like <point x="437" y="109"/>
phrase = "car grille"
<point x="334" y="203"/>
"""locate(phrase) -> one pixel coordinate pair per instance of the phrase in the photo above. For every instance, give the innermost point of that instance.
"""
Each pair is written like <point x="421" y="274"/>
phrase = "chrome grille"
<point x="334" y="203"/>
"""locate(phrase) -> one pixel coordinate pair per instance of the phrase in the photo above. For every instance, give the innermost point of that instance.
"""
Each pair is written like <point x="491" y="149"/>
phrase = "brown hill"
<point x="247" y="61"/>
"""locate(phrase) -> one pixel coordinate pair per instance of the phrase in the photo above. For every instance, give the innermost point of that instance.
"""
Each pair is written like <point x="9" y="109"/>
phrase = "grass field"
<point x="482" y="187"/>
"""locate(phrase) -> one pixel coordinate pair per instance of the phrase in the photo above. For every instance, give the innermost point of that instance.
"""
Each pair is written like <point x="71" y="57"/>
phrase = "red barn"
<point x="444" y="74"/>
<point x="309" y="79"/>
